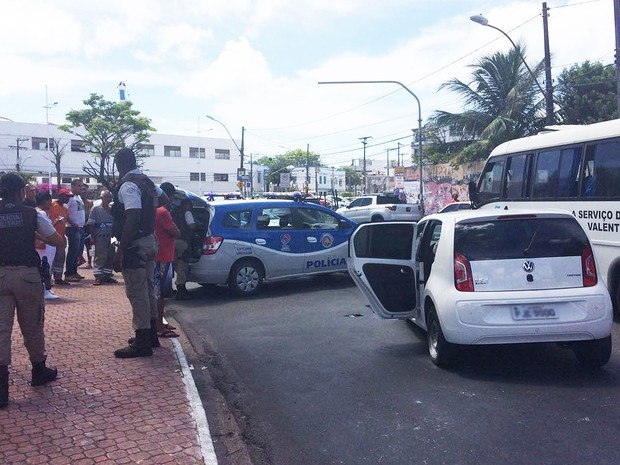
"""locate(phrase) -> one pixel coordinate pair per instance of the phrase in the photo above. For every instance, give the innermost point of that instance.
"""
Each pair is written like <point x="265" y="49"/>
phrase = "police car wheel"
<point x="246" y="278"/>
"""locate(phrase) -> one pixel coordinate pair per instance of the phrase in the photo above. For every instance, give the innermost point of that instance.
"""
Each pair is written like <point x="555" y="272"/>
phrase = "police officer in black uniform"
<point x="136" y="201"/>
<point x="20" y="282"/>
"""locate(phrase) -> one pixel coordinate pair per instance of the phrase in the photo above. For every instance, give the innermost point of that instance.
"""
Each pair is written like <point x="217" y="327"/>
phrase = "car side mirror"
<point x="473" y="194"/>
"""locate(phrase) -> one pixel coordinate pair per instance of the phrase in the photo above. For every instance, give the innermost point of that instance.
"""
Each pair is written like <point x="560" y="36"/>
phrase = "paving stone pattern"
<point x="101" y="410"/>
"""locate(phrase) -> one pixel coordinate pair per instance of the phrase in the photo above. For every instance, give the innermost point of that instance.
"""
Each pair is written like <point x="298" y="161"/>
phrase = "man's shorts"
<point x="162" y="280"/>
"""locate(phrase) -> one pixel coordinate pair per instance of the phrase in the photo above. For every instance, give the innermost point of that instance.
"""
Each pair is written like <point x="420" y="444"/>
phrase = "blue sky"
<point x="257" y="63"/>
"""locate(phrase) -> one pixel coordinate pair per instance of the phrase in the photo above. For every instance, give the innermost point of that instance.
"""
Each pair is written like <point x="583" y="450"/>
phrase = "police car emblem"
<point x="528" y="266"/>
<point x="327" y="240"/>
<point x="284" y="240"/>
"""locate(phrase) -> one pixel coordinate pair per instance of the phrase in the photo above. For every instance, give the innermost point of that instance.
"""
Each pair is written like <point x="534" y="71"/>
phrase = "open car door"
<point x="382" y="265"/>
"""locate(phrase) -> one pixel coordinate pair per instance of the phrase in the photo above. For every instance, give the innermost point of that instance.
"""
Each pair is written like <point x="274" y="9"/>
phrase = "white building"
<point x="321" y="180"/>
<point x="198" y="164"/>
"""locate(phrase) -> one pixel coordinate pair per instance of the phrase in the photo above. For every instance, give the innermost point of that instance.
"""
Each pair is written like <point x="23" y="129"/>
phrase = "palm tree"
<point x="502" y="102"/>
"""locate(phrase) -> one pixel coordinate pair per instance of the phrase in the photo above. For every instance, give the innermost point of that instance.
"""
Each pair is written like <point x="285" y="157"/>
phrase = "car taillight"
<point x="463" y="280"/>
<point x="391" y="208"/>
<point x="211" y="244"/>
<point x="588" y="267"/>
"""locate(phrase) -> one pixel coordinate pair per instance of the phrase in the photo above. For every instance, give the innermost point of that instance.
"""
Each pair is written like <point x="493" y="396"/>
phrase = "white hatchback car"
<point x="487" y="277"/>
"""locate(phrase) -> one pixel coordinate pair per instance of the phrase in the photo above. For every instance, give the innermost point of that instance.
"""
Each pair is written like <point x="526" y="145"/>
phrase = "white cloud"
<point x="187" y="58"/>
<point x="184" y="40"/>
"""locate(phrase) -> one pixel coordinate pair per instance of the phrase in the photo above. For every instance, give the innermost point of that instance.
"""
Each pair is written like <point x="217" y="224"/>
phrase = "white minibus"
<point x="573" y="168"/>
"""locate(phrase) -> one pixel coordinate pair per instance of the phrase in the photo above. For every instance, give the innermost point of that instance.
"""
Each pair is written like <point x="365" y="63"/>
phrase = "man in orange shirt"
<point x="58" y="215"/>
<point x="166" y="232"/>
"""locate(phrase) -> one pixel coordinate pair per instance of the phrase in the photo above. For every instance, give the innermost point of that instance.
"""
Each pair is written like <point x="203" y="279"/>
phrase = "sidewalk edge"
<point x="198" y="412"/>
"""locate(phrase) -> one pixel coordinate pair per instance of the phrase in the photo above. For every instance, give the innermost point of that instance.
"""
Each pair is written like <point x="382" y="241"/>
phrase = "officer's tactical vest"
<point x="147" y="213"/>
<point x="18" y="224"/>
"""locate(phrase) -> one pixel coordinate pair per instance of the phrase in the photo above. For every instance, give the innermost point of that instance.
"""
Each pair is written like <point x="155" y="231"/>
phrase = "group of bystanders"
<point x="146" y="238"/>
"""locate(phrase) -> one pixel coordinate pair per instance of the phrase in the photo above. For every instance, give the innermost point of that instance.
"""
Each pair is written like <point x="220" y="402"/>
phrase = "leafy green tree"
<point x="58" y="150"/>
<point x="351" y="177"/>
<point x="441" y="144"/>
<point x="502" y="102"/>
<point x="105" y="127"/>
<point x="297" y="157"/>
<point x="586" y="93"/>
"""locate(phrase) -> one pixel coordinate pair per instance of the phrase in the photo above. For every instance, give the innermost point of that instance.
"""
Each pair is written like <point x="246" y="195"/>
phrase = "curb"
<point x="197" y="409"/>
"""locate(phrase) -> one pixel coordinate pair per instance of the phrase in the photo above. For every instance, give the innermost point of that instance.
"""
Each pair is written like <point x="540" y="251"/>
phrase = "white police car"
<point x="251" y="241"/>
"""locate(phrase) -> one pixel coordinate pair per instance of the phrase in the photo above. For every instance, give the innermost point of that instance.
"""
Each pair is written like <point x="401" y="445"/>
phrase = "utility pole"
<point x="17" y="147"/>
<point x="548" y="79"/>
<point x="617" y="25"/>
<point x="398" y="159"/>
<point x="307" y="183"/>
<point x="251" y="177"/>
<point x="241" y="150"/>
<point x="387" y="166"/>
<point x="364" y="142"/>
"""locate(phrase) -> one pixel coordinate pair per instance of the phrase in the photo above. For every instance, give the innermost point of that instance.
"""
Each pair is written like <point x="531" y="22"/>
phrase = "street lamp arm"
<point x="419" y="122"/>
<point x="289" y="167"/>
<point x="229" y="134"/>
<point x="485" y="22"/>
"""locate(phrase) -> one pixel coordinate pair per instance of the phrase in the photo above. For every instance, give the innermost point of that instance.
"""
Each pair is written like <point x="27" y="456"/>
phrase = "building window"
<point x="172" y="151"/>
<point x="148" y="150"/>
<point x="221" y="154"/>
<point x="78" y="145"/>
<point x="40" y="143"/>
<point x="220" y="177"/>
<point x="65" y="180"/>
<point x="195" y="152"/>
<point x="197" y="176"/>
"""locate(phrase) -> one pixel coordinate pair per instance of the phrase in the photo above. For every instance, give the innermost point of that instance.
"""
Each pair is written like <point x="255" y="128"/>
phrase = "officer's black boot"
<point x="42" y="374"/>
<point x="182" y="293"/>
<point x="4" y="386"/>
<point x="154" y="336"/>
<point x="140" y="347"/>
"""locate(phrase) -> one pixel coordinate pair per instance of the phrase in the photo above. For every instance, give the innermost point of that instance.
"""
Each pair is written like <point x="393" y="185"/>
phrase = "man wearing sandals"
<point x="166" y="232"/>
<point x="99" y="225"/>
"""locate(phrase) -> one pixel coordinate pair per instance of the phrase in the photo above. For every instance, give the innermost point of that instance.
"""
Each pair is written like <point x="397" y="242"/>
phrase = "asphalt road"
<point x="311" y="377"/>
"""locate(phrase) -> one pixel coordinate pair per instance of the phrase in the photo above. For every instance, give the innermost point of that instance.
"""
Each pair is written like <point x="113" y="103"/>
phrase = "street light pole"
<point x="233" y="141"/>
<point x="47" y="128"/>
<point x="617" y="28"/>
<point x="232" y="138"/>
<point x="364" y="141"/>
<point x="548" y="78"/>
<point x="547" y="95"/>
<point x="419" y="122"/>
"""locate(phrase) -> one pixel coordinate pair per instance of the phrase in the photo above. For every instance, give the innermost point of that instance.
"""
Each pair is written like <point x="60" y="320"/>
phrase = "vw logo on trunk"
<point x="528" y="266"/>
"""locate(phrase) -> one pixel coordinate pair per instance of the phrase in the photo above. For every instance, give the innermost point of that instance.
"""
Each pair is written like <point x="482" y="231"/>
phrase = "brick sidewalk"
<point x="101" y="410"/>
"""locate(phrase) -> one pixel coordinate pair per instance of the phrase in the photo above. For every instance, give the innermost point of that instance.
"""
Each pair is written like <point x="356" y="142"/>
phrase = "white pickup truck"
<point x="381" y="207"/>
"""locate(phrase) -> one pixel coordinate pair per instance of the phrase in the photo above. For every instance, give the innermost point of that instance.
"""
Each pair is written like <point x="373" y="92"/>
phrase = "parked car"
<point x="486" y="277"/>
<point x="338" y="202"/>
<point x="455" y="206"/>
<point x="381" y="207"/>
<point x="252" y="241"/>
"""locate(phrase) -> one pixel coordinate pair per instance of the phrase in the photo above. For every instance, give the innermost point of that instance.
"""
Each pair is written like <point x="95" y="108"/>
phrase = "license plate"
<point x="532" y="312"/>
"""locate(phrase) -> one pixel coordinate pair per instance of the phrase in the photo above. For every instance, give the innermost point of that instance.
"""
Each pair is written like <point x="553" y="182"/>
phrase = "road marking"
<point x="198" y="411"/>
